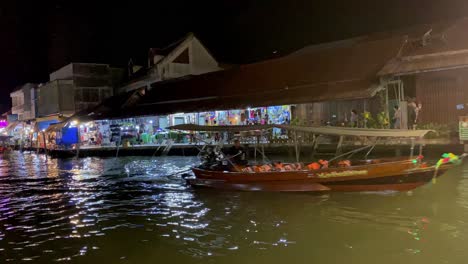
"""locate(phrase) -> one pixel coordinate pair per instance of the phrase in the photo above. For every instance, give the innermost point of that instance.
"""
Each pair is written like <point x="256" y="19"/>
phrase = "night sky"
<point x="38" y="37"/>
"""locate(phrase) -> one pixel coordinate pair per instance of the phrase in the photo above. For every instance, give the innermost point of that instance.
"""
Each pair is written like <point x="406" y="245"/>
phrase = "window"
<point x="78" y="96"/>
<point x="179" y="120"/>
<point x="183" y="57"/>
<point x="90" y="95"/>
<point x="105" y="93"/>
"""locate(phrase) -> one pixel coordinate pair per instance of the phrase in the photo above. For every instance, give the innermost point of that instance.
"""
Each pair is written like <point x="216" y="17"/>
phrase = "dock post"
<point x="44" y="140"/>
<point x="78" y="143"/>
<point x="314" y="150"/>
<point x="263" y="152"/>
<point x="296" y="146"/>
<point x="118" y="146"/>
<point x="339" y="147"/>
<point x="255" y="151"/>
<point x="412" y="148"/>
<point x="77" y="149"/>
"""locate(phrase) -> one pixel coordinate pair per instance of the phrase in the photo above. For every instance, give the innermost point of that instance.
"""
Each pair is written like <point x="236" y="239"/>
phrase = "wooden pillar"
<point x="295" y="146"/>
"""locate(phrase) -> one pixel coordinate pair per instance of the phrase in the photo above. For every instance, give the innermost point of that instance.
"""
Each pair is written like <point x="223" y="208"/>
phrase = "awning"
<point x="57" y="127"/>
<point x="42" y="125"/>
<point x="12" y="126"/>
<point x="49" y="118"/>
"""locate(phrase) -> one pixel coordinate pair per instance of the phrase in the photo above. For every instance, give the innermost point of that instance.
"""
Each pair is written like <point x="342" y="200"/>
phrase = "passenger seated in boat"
<point x="248" y="169"/>
<point x="237" y="154"/>
<point x="263" y="168"/>
<point x="277" y="165"/>
<point x="208" y="158"/>
<point x="298" y="166"/>
<point x="344" y="163"/>
<point x="323" y="164"/>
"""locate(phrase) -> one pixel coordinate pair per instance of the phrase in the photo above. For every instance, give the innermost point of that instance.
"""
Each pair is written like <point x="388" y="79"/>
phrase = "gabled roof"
<point x="20" y="87"/>
<point x="169" y="48"/>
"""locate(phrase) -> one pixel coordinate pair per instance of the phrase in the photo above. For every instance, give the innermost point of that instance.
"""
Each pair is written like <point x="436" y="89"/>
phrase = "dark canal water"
<point x="131" y="210"/>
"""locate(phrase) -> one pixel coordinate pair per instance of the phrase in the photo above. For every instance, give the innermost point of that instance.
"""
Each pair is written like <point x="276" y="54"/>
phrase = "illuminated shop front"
<point x="259" y="115"/>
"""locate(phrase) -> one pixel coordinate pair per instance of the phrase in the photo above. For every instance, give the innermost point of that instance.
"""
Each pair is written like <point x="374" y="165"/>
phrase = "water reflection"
<point x="138" y="210"/>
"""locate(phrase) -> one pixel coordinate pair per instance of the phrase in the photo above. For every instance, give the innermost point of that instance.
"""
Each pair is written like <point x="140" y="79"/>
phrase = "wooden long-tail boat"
<point x="397" y="174"/>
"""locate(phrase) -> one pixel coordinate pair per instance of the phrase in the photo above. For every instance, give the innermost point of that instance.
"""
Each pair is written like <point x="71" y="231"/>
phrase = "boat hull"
<point x="394" y="176"/>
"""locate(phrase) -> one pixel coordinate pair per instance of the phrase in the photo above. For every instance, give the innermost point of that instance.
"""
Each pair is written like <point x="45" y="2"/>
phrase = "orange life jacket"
<point x="313" y="166"/>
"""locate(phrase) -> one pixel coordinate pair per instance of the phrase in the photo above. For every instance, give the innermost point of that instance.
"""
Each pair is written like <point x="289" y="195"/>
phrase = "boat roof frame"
<point x="319" y="130"/>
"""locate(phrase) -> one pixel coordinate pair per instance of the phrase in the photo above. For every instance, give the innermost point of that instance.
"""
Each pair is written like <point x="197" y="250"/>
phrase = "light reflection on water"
<point x="137" y="210"/>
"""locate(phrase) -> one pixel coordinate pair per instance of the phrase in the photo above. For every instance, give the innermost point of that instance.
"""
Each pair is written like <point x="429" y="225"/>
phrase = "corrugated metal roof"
<point x="444" y="46"/>
<point x="426" y="63"/>
<point x="339" y="72"/>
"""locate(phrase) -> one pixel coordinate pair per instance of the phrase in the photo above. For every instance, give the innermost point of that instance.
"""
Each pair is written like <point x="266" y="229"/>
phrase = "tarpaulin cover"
<point x="69" y="136"/>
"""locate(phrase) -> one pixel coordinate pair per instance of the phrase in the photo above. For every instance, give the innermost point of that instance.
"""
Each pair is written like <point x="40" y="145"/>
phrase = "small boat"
<point x="397" y="174"/>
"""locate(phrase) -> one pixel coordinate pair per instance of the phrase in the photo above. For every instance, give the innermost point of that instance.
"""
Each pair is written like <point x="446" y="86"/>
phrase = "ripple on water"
<point x="138" y="209"/>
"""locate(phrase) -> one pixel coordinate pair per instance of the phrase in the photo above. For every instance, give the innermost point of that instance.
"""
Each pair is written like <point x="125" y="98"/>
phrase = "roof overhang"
<point x="433" y="62"/>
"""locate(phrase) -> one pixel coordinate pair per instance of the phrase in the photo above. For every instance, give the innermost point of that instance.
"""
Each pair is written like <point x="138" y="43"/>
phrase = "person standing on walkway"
<point x="397" y="117"/>
<point x="411" y="114"/>
<point x="417" y="111"/>
<point x="354" y="118"/>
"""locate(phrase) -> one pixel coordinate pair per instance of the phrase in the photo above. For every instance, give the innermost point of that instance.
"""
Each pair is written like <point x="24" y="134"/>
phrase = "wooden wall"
<point x="440" y="93"/>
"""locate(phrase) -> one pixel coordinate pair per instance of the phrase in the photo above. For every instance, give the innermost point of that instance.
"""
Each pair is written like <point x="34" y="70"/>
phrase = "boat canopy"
<point x="322" y="130"/>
